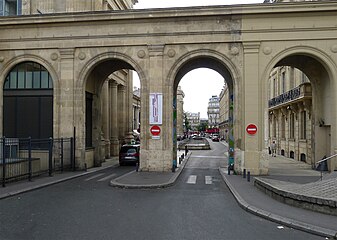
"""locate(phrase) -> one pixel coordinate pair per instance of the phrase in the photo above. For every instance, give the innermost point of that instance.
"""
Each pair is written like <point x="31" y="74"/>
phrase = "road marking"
<point x="192" y="156"/>
<point x="107" y="177"/>
<point x="208" y="179"/>
<point x="95" y="176"/>
<point x="192" y="179"/>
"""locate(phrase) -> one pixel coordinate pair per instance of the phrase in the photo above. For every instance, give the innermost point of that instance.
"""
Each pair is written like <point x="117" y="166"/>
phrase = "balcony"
<point x="297" y="94"/>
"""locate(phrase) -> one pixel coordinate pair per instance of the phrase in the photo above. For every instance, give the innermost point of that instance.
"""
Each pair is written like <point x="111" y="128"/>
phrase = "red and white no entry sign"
<point x="251" y="129"/>
<point x="155" y="130"/>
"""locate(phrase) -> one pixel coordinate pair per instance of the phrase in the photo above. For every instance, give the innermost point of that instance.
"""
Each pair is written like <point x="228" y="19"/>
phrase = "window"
<point x="28" y="75"/>
<point x="10" y="7"/>
<point x="292" y="126"/>
<point x="28" y="111"/>
<point x="303" y="125"/>
<point x="283" y="127"/>
<point x="274" y="127"/>
<point x="283" y="82"/>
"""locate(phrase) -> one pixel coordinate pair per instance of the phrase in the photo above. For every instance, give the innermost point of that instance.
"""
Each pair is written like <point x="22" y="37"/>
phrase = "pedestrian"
<point x="273" y="149"/>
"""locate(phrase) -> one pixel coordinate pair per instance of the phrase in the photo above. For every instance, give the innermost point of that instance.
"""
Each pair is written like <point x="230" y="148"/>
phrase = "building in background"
<point x="224" y="112"/>
<point x="180" y="112"/>
<point x="290" y="107"/>
<point x="193" y="120"/>
<point x="136" y="110"/>
<point x="213" y="112"/>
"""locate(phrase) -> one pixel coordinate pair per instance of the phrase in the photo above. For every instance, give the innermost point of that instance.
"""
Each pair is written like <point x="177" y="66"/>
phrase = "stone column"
<point x="105" y="103"/>
<point x="121" y="113"/>
<point x="156" y="151"/>
<point x="252" y="157"/>
<point x="114" y="142"/>
<point x="66" y="116"/>
<point x="129" y="109"/>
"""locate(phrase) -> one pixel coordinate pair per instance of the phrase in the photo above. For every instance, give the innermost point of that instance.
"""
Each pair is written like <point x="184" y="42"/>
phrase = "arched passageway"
<point x="108" y="109"/>
<point x="209" y="62"/>
<point x="301" y="117"/>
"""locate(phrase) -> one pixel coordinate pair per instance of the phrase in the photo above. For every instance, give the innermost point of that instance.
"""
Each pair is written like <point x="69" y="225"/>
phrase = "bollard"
<point x="248" y="176"/>
<point x="179" y="160"/>
<point x="244" y="173"/>
<point x="183" y="156"/>
<point x="186" y="150"/>
<point x="229" y="170"/>
<point x="85" y="167"/>
<point x="137" y="166"/>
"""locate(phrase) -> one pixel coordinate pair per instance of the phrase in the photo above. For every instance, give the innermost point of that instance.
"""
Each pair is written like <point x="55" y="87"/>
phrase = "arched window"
<point x="28" y="102"/>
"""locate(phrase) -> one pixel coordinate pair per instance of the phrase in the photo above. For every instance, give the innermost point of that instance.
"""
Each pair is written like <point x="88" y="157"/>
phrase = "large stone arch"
<point x="125" y="61"/>
<point x="225" y="67"/>
<point x="321" y="88"/>
<point x="8" y="66"/>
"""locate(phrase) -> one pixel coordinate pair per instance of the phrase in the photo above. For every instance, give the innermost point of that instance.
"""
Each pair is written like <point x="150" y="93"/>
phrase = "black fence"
<point x="25" y="158"/>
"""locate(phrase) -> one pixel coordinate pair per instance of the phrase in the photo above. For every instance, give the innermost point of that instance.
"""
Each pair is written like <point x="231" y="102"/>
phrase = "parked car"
<point x="129" y="154"/>
<point x="215" y="138"/>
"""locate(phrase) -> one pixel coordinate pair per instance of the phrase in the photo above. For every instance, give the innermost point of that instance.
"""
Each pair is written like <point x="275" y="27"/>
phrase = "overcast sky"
<point x="200" y="84"/>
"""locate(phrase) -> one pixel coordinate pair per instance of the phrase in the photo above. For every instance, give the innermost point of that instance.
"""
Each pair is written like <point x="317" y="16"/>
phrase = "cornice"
<point x="189" y="12"/>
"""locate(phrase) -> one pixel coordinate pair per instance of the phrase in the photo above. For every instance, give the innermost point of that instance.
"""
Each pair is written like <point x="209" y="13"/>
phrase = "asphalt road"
<point x="198" y="206"/>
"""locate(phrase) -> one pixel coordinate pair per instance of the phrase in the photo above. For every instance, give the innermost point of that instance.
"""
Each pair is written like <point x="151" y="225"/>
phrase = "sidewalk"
<point x="15" y="188"/>
<point x="287" y="174"/>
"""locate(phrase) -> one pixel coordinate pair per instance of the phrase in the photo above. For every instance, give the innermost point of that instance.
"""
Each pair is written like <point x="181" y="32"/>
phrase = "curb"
<point x="322" y="205"/>
<point x="323" y="232"/>
<point x="114" y="183"/>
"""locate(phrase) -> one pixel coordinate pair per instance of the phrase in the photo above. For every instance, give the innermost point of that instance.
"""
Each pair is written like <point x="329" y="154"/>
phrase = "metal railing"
<point x="25" y="158"/>
<point x="320" y="165"/>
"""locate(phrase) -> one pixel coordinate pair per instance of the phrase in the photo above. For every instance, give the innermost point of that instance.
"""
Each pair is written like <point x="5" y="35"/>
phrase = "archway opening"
<point x="112" y="110"/>
<point x="299" y="107"/>
<point x="209" y="114"/>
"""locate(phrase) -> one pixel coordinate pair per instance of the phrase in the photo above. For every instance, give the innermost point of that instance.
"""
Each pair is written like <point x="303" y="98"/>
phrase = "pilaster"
<point x="254" y="159"/>
<point x="114" y="147"/>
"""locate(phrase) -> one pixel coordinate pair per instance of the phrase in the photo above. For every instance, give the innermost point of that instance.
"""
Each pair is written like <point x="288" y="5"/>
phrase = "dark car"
<point x="129" y="154"/>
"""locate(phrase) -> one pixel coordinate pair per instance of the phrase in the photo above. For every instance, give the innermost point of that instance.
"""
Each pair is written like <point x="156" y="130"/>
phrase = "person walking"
<point x="273" y="149"/>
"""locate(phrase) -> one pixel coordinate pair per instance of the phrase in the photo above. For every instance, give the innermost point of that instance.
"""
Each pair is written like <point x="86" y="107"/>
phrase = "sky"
<point x="200" y="84"/>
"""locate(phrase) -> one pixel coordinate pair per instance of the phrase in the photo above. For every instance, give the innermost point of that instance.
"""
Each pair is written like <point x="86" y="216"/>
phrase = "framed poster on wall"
<point x="156" y="108"/>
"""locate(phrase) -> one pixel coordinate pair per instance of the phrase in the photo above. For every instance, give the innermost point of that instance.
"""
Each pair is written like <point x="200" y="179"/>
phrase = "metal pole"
<point x="61" y="154"/>
<point x="248" y="176"/>
<point x="3" y="162"/>
<point x="30" y="158"/>
<point x="244" y="173"/>
<point x="50" y="156"/>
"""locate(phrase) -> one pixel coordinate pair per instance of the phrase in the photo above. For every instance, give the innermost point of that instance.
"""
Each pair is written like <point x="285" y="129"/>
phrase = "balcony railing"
<point x="304" y="90"/>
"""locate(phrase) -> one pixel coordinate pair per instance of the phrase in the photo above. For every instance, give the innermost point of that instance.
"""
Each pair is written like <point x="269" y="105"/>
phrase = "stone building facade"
<point x="180" y="111"/>
<point x="290" y="109"/>
<point x="243" y="43"/>
<point x="110" y="112"/>
<point x="224" y="112"/>
<point x="193" y="119"/>
<point x="213" y="112"/>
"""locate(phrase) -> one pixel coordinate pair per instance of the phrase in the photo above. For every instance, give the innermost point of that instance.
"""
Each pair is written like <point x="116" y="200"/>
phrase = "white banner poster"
<point x="156" y="108"/>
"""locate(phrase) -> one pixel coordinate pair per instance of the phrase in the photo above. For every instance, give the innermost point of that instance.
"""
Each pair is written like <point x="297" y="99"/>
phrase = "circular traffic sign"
<point x="155" y="130"/>
<point x="251" y="129"/>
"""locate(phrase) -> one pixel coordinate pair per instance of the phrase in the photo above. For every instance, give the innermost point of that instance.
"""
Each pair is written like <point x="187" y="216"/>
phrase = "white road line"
<point x="107" y="177"/>
<point x="95" y="176"/>
<point x="192" y="179"/>
<point x="208" y="179"/>
<point x="192" y="156"/>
